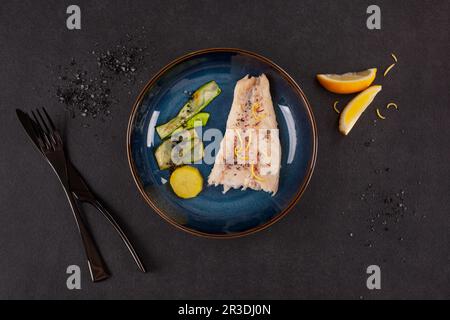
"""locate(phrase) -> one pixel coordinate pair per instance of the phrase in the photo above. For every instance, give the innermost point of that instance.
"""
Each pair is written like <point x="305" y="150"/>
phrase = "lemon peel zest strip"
<point x="240" y="139"/>
<point x="392" y="105"/>
<point x="255" y="114"/>
<point x="238" y="149"/>
<point x="380" y="115"/>
<point x="335" y="107"/>
<point x="389" y="69"/>
<point x="394" y="57"/>
<point x="255" y="176"/>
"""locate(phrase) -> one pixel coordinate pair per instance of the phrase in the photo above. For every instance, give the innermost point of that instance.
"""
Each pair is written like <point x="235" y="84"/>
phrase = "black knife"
<point x="80" y="189"/>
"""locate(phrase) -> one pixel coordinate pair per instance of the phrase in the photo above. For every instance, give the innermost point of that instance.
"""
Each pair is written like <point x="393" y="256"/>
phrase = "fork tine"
<point x="45" y="138"/>
<point x="37" y="131"/>
<point x="47" y="130"/>
<point x="49" y="120"/>
<point x="54" y="134"/>
<point x="36" y="123"/>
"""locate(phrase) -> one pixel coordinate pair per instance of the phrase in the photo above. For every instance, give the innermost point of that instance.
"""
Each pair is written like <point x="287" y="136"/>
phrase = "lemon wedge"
<point x="356" y="107"/>
<point x="350" y="82"/>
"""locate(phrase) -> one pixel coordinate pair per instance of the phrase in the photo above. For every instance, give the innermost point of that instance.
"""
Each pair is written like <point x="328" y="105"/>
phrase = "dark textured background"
<point x="322" y="248"/>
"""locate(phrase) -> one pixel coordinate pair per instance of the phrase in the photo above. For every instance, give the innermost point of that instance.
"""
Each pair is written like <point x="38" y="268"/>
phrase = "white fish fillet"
<point x="250" y="152"/>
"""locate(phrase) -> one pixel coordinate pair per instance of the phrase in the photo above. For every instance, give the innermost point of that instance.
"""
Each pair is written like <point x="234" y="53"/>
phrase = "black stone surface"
<point x="323" y="247"/>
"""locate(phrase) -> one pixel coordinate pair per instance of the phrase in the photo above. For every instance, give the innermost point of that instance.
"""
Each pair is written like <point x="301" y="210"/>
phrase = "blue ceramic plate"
<point x="213" y="213"/>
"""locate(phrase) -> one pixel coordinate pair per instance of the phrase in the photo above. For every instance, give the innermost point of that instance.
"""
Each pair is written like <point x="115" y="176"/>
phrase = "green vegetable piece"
<point x="163" y="153"/>
<point x="200" y="119"/>
<point x="198" y="101"/>
<point x="196" y="154"/>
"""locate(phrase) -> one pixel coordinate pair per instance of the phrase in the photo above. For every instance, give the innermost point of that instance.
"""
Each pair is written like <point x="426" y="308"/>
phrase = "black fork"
<point x="52" y="147"/>
<point x="49" y="137"/>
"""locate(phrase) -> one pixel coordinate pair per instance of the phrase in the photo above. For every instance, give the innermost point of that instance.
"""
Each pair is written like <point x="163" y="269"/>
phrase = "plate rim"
<point x="311" y="164"/>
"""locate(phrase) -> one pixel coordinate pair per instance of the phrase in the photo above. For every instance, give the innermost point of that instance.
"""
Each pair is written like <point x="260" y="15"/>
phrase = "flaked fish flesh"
<point x="250" y="153"/>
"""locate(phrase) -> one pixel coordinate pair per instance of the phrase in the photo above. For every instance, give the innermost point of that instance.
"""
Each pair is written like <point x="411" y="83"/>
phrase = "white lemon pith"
<point x="356" y="107"/>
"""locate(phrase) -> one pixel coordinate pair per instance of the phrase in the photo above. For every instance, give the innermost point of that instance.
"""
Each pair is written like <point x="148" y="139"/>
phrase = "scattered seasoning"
<point x="82" y="94"/>
<point x="386" y="207"/>
<point x="387" y="210"/>
<point x="123" y="60"/>
<point x="85" y="87"/>
<point x="368" y="143"/>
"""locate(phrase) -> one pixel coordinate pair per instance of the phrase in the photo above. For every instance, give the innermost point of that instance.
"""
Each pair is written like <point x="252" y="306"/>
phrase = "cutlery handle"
<point x="121" y="233"/>
<point x="97" y="266"/>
